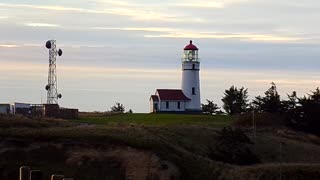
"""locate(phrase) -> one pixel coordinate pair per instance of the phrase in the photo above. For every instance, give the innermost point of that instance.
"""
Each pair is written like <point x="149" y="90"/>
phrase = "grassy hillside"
<point x="184" y="140"/>
<point x="156" y="119"/>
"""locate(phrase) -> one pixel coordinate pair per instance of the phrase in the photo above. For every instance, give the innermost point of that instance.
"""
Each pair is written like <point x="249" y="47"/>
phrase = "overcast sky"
<point x="122" y="51"/>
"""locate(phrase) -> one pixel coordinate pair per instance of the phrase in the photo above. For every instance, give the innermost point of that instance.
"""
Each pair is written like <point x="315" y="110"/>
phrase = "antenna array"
<point x="52" y="86"/>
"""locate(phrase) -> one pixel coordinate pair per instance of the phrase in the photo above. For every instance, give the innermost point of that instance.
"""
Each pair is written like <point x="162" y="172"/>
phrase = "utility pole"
<point x="281" y="144"/>
<point x="253" y="122"/>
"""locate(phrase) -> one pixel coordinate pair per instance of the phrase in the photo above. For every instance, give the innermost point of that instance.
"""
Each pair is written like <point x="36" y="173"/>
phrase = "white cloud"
<point x="201" y="4"/>
<point x="88" y="71"/>
<point x="57" y="8"/>
<point x="41" y="25"/>
<point x="253" y="37"/>
<point x="112" y="2"/>
<point x="32" y="45"/>
<point x="179" y="33"/>
<point x="142" y="14"/>
<point x="145" y="29"/>
<point x="16" y="45"/>
<point x="8" y="46"/>
<point x="208" y="4"/>
<point x="133" y="12"/>
<point x="3" y="17"/>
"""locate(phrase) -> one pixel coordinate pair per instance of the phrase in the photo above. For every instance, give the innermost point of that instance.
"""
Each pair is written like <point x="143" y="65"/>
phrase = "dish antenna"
<point x="52" y="86"/>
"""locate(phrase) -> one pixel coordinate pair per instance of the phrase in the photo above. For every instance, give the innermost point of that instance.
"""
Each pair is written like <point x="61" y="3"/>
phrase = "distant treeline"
<point x="301" y="113"/>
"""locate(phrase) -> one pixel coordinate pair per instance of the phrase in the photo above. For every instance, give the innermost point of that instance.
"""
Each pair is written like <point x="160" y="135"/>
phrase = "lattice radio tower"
<point x="52" y="86"/>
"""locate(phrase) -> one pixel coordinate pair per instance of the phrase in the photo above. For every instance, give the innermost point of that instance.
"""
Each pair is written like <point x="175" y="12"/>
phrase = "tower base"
<point x="193" y="111"/>
<point x="180" y="112"/>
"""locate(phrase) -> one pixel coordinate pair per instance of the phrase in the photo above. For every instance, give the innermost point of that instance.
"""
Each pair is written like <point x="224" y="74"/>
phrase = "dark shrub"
<point x="232" y="146"/>
<point x="261" y="119"/>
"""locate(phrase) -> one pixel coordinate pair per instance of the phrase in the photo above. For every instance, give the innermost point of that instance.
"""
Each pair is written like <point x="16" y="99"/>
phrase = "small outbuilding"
<point x="168" y="100"/>
<point x="21" y="108"/>
<point x="5" y="108"/>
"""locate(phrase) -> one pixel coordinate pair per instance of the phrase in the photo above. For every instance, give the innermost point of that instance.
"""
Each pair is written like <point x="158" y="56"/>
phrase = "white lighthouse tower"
<point x="186" y="99"/>
<point x="190" y="77"/>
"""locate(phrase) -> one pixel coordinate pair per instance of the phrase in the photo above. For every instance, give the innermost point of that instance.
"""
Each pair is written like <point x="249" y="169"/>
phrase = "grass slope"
<point x="157" y="119"/>
<point x="181" y="139"/>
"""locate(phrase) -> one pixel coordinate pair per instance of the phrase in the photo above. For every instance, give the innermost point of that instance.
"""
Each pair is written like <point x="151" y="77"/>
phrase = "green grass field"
<point x="158" y="119"/>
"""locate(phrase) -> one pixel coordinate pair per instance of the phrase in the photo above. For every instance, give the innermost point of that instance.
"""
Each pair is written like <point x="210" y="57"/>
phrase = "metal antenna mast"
<point x="52" y="86"/>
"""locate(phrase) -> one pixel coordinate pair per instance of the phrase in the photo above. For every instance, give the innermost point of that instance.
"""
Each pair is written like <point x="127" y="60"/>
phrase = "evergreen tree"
<point x="315" y="95"/>
<point x="303" y="113"/>
<point x="292" y="102"/>
<point x="235" y="100"/>
<point x="270" y="102"/>
<point x="210" y="108"/>
<point x="119" y="108"/>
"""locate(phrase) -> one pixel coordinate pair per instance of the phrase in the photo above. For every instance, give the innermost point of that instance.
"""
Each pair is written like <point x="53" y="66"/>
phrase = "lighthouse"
<point x="190" y="85"/>
<point x="186" y="99"/>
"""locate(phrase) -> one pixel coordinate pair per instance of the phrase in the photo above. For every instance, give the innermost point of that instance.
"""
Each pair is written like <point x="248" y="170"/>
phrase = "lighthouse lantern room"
<point x="190" y="53"/>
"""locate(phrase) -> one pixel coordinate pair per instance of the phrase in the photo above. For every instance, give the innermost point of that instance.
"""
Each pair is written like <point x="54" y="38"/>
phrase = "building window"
<point x="178" y="105"/>
<point x="193" y="66"/>
<point x="193" y="91"/>
<point x="167" y="104"/>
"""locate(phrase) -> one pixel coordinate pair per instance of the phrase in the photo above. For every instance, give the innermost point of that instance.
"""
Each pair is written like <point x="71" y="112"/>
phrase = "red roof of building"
<point x="154" y="98"/>
<point x="191" y="46"/>
<point x="172" y="95"/>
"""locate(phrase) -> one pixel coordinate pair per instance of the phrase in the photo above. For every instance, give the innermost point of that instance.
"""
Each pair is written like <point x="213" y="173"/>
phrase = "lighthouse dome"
<point x="190" y="46"/>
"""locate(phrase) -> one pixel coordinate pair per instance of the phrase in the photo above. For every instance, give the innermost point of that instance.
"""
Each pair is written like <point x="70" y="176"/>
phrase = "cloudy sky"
<point x="121" y="51"/>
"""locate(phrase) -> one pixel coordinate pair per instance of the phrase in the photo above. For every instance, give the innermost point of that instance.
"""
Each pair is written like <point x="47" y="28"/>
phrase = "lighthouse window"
<point x="167" y="104"/>
<point x="178" y="105"/>
<point x="193" y="91"/>
<point x="193" y="66"/>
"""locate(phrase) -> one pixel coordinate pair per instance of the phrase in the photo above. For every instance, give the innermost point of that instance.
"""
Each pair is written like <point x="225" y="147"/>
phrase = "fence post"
<point x="57" y="177"/>
<point x="24" y="173"/>
<point x="36" y="175"/>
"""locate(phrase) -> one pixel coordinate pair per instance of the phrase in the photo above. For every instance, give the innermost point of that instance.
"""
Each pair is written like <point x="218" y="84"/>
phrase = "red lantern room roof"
<point x="191" y="46"/>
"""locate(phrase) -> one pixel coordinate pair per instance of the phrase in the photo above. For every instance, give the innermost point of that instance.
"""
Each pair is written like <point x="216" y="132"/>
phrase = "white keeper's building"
<point x="186" y="99"/>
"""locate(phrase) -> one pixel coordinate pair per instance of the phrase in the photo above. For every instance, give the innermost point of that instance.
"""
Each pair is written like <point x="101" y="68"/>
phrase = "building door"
<point x="155" y="107"/>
